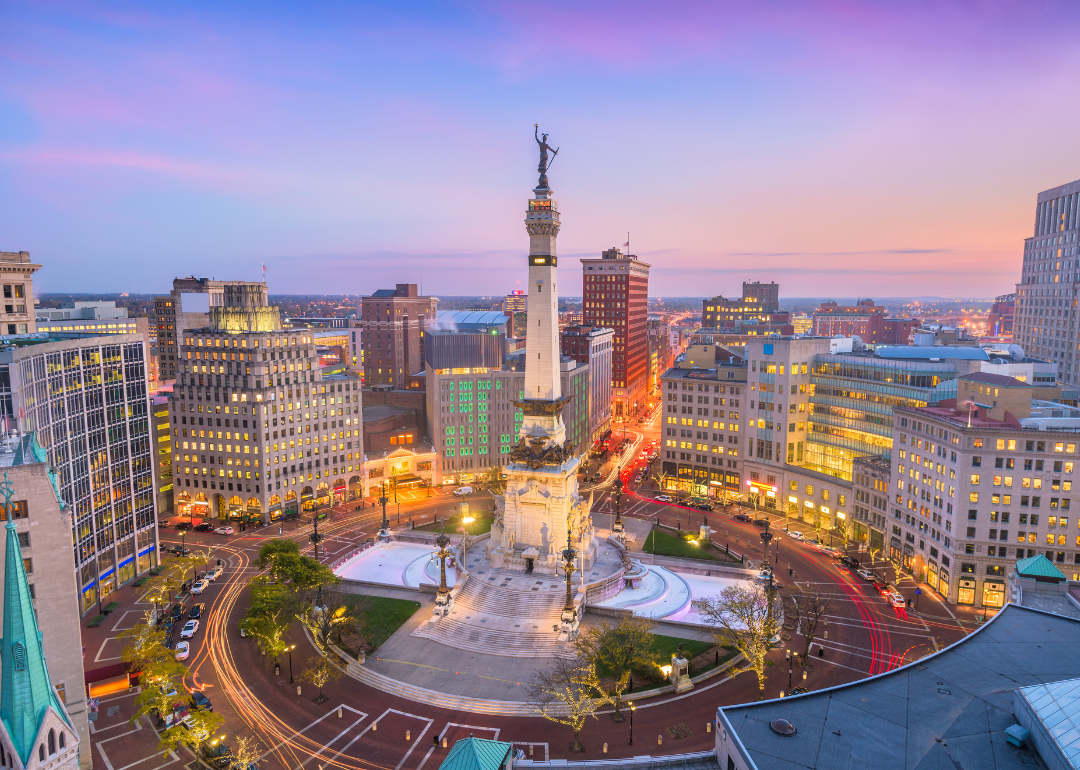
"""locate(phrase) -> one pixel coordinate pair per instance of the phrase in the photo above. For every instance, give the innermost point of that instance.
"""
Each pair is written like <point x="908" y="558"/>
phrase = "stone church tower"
<point x="35" y="729"/>
<point x="541" y="504"/>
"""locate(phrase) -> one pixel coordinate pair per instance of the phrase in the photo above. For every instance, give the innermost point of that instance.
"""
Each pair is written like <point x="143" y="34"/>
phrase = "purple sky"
<point x="875" y="149"/>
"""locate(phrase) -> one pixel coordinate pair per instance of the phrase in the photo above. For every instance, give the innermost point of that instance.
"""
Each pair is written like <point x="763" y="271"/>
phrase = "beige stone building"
<point x="17" y="286"/>
<point x="257" y="430"/>
<point x="981" y="481"/>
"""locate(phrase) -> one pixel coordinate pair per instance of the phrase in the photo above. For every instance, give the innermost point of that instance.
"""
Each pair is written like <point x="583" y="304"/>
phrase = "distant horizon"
<point x="783" y="299"/>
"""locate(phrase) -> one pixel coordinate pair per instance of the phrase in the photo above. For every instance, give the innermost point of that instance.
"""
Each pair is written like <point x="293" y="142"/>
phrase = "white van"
<point x="460" y="491"/>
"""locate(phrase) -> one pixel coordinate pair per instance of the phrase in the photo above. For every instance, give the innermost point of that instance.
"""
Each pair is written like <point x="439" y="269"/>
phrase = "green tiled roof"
<point x="476" y="754"/>
<point x="1038" y="566"/>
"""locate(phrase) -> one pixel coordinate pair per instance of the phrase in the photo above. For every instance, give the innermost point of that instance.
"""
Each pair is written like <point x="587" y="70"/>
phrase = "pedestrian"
<point x="279" y="529"/>
<point x="820" y="651"/>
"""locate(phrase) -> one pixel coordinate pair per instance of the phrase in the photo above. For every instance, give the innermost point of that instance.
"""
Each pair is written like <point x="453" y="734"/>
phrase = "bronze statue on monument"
<point x="545" y="164"/>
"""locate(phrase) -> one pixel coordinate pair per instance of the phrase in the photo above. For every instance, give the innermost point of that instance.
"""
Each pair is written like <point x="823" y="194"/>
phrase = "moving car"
<point x="703" y="507"/>
<point x="225" y="531"/>
<point x="196" y="611"/>
<point x="183" y="649"/>
<point x="199" y="587"/>
<point x="760" y="522"/>
<point x="896" y="600"/>
<point x="795" y="535"/>
<point x="214" y="574"/>
<point x="662" y="499"/>
<point x="204" y="527"/>
<point x="882" y="587"/>
<point x="461" y="491"/>
<point x="189" y="629"/>
<point x="741" y="517"/>
<point x="847" y="561"/>
<point x="183" y="525"/>
<point x="866" y="575"/>
<point x="200" y="701"/>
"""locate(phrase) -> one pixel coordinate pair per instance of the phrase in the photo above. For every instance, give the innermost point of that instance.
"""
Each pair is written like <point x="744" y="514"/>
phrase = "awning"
<point x="407" y="478"/>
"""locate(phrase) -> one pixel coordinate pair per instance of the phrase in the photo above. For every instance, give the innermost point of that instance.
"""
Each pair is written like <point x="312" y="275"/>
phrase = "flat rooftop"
<point x="947" y="710"/>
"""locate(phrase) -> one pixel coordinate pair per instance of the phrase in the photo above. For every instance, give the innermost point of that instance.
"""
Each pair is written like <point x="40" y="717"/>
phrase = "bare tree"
<point x="568" y="694"/>
<point x="808" y="609"/>
<point x="746" y="619"/>
<point x="245" y="753"/>
<point x="618" y="648"/>
<point x="333" y="616"/>
<point x="321" y="672"/>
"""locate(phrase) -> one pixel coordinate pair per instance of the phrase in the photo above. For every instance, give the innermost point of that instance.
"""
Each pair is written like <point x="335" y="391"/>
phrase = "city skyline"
<point x="850" y="148"/>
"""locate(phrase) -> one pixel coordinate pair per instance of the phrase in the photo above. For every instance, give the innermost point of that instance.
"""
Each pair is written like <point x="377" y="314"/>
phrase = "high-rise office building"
<point x="1046" y="294"/>
<point x="516" y="301"/>
<point x="395" y="321"/>
<point x="17" y="277"/>
<point x="760" y="303"/>
<point x="615" y="291"/>
<point x="87" y="399"/>
<point x="257" y="429"/>
<point x="592" y="345"/>
<point x="863" y="319"/>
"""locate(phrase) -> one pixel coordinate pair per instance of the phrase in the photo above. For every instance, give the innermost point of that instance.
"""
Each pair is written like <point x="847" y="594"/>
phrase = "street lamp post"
<point x="384" y="528"/>
<point x="569" y="554"/>
<point x="632" y="709"/>
<point x="315" y="537"/>
<point x="617" y="527"/>
<point x="290" y="648"/>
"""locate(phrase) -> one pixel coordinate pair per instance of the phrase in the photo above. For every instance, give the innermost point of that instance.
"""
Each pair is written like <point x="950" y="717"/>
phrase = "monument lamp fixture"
<point x="569" y="554"/>
<point x="632" y="709"/>
<point x="383" y="501"/>
<point x="443" y="542"/>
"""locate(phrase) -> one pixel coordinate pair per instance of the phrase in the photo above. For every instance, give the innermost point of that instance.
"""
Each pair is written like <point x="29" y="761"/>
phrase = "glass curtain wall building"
<point x="87" y="399"/>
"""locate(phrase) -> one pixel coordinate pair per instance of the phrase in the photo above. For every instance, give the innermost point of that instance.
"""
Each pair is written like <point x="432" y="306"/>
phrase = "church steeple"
<point x="26" y="691"/>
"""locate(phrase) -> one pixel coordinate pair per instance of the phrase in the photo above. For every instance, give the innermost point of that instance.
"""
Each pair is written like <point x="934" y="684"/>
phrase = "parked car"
<point x="204" y="527"/>
<point x="183" y="525"/>
<point x="866" y="575"/>
<point x="462" y="491"/>
<point x="703" y="507"/>
<point x="199" y="587"/>
<point x="177" y="611"/>
<point x="760" y="522"/>
<point x="662" y="499"/>
<point x="798" y="690"/>
<point x="214" y="574"/>
<point x="200" y="701"/>
<point x="847" y="561"/>
<point x="189" y="629"/>
<point x="163" y="525"/>
<point x="795" y="535"/>
<point x="217" y="754"/>
<point x="196" y="611"/>
<point x="225" y="531"/>
<point x="183" y="649"/>
<point x="741" y="517"/>
<point x="177" y="550"/>
<point x="896" y="600"/>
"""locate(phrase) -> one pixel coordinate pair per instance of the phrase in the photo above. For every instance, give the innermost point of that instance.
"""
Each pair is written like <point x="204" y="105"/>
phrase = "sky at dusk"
<point x="873" y="149"/>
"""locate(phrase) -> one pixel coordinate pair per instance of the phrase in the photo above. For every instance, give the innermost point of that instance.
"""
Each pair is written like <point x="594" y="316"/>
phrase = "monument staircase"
<point x="502" y="612"/>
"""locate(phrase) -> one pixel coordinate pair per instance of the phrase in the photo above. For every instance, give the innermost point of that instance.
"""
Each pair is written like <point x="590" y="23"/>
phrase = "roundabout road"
<point x="865" y="636"/>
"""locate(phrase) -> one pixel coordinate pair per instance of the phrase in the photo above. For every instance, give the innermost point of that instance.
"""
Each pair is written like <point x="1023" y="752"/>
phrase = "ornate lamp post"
<point x="315" y="537"/>
<point x="384" y="528"/>
<point x="617" y="527"/>
<point x="569" y="616"/>
<point x="442" y="598"/>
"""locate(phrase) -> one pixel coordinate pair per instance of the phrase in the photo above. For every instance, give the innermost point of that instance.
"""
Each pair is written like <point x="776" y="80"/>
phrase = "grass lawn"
<point x="671" y="545"/>
<point x="480" y="526"/>
<point x="383" y="616"/>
